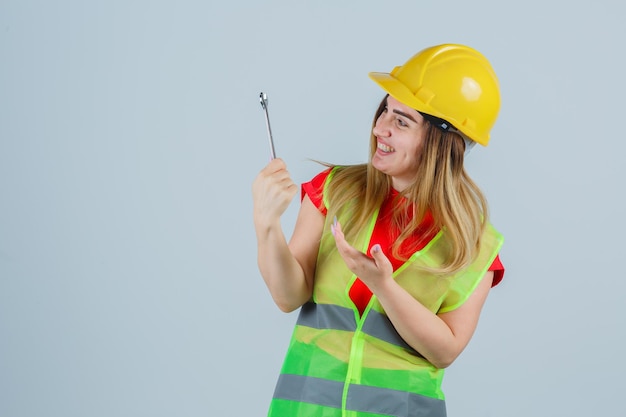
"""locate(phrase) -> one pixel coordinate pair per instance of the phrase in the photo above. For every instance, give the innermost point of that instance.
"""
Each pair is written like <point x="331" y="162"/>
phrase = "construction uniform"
<point x="345" y="363"/>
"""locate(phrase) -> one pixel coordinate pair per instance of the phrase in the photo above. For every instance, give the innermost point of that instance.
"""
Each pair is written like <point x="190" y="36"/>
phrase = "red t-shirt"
<point x="384" y="233"/>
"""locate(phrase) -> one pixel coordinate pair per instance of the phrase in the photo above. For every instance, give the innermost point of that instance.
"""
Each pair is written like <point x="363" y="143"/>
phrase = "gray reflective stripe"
<point x="361" y="398"/>
<point x="395" y="403"/>
<point x="326" y="316"/>
<point x="330" y="316"/>
<point x="379" y="326"/>
<point x="309" y="390"/>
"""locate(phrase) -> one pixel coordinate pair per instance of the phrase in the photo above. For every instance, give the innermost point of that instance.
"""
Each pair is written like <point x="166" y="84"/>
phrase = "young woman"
<point x="391" y="261"/>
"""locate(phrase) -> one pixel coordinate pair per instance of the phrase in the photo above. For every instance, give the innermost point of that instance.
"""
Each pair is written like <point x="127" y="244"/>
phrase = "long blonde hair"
<point x="441" y="186"/>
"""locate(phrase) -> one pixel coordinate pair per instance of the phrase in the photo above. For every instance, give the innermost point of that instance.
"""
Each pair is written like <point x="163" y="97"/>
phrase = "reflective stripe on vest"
<point x="330" y="316"/>
<point x="364" y="399"/>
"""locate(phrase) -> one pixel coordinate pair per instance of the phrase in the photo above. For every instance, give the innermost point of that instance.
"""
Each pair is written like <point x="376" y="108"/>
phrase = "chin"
<point x="384" y="168"/>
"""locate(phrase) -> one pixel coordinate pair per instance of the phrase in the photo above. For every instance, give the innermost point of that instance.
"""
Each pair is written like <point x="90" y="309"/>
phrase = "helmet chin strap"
<point x="447" y="127"/>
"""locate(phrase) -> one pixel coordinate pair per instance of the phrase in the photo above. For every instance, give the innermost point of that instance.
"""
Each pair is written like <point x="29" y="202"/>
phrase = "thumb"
<point x="382" y="262"/>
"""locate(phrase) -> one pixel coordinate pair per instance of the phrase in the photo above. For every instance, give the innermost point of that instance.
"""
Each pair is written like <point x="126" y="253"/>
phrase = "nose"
<point x="381" y="127"/>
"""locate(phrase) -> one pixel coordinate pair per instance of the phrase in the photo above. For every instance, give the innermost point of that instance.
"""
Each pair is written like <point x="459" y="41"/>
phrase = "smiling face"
<point x="399" y="132"/>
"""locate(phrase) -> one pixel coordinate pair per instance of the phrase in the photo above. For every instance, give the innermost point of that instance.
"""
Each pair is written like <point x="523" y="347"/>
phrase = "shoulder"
<point x="314" y="189"/>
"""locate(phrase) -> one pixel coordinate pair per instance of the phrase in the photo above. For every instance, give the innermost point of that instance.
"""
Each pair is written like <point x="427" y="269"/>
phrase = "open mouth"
<point x="385" y="148"/>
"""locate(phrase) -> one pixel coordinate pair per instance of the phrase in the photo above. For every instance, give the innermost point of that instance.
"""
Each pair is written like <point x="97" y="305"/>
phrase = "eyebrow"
<point x="408" y="116"/>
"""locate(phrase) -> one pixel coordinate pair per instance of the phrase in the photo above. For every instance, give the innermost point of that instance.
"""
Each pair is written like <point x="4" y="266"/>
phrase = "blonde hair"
<point x="441" y="186"/>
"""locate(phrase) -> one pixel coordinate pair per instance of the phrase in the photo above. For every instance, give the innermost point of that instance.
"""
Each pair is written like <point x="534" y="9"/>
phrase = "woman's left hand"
<point x="373" y="271"/>
<point x="439" y="338"/>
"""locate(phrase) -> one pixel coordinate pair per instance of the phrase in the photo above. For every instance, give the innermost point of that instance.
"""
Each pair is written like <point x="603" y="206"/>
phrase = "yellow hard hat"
<point x="451" y="82"/>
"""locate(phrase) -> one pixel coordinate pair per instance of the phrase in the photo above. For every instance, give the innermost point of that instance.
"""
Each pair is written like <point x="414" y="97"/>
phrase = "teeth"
<point x="385" y="148"/>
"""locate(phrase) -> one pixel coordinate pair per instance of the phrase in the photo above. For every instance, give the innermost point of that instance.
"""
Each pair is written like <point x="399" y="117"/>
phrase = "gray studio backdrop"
<point x="130" y="134"/>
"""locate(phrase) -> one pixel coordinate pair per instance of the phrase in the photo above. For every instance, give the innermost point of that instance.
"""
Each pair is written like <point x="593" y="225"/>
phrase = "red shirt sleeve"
<point x="498" y="271"/>
<point x="315" y="190"/>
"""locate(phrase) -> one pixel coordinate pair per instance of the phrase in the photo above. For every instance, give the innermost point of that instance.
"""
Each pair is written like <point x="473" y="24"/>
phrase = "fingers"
<point x="370" y="270"/>
<point x="355" y="260"/>
<point x="382" y="262"/>
<point x="272" y="190"/>
<point x="273" y="166"/>
<point x="342" y="245"/>
<point x="275" y="174"/>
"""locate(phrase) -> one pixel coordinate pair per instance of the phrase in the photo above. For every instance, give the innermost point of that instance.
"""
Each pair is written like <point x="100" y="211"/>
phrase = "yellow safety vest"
<point x="342" y="364"/>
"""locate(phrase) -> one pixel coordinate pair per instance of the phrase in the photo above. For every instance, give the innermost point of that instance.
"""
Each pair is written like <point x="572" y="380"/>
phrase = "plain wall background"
<point x="131" y="132"/>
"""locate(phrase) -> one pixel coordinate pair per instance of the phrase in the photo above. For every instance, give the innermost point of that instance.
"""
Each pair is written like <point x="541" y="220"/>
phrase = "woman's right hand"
<point x="272" y="192"/>
<point x="288" y="269"/>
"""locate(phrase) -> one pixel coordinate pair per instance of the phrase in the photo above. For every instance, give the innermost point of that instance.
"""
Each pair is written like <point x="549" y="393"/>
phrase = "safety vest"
<point x="343" y="364"/>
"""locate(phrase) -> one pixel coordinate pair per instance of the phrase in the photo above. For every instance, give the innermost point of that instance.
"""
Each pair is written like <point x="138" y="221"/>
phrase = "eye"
<point x="401" y="122"/>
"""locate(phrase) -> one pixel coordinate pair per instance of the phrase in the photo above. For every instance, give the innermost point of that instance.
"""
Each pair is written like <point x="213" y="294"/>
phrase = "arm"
<point x="287" y="269"/>
<point x="439" y="338"/>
